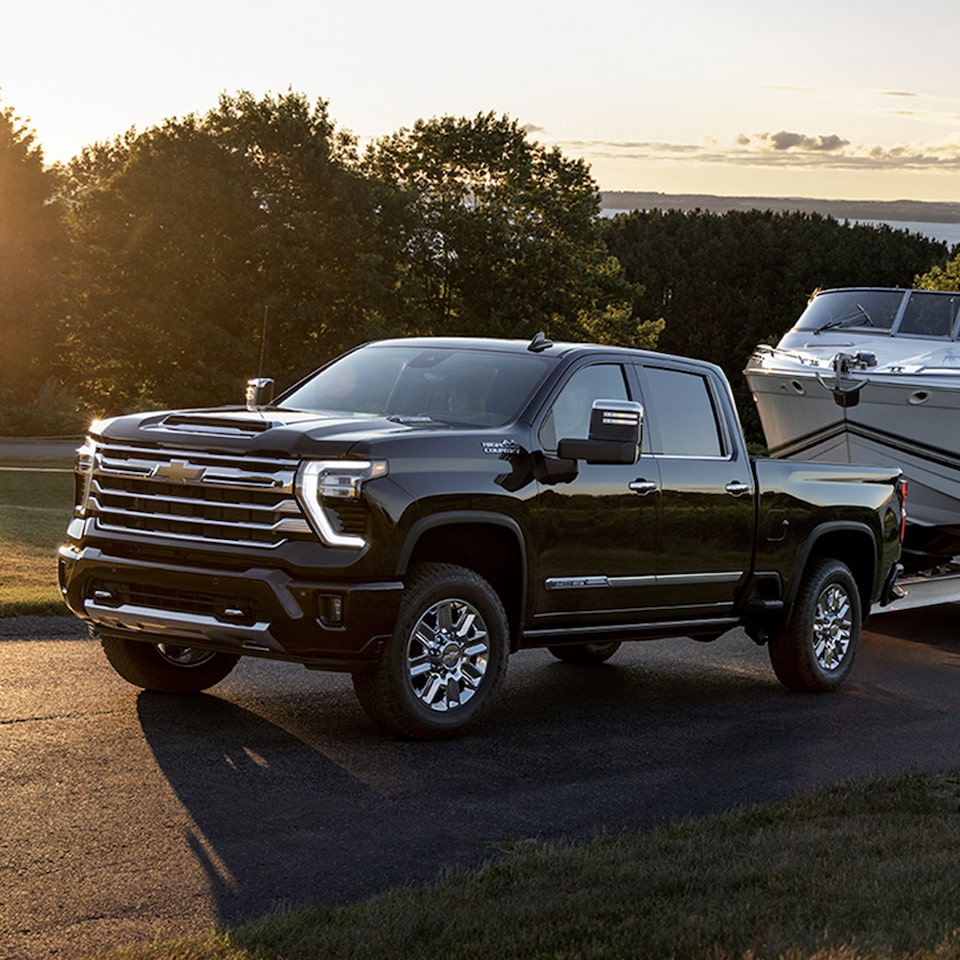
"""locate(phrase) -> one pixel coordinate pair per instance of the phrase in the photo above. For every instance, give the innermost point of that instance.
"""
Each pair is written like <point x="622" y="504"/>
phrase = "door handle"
<point x="641" y="486"/>
<point x="737" y="489"/>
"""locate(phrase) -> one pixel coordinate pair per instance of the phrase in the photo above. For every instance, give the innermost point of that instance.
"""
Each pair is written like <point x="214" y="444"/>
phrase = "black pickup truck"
<point x="418" y="509"/>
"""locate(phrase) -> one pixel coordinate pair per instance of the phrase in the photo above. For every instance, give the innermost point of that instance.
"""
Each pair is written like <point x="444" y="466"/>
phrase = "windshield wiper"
<point x="846" y="321"/>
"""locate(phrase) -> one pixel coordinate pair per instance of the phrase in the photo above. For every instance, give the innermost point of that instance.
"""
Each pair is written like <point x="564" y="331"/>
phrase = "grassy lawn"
<point x="867" y="871"/>
<point x="36" y="496"/>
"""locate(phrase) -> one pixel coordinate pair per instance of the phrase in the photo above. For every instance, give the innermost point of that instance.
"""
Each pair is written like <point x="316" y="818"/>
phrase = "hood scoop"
<point x="216" y="425"/>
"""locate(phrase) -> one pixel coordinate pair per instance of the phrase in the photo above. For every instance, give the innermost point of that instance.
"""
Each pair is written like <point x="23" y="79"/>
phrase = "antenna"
<point x="539" y="343"/>
<point x="263" y="341"/>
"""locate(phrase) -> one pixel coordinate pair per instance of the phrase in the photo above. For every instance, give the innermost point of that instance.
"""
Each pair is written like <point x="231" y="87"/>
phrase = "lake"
<point x="944" y="232"/>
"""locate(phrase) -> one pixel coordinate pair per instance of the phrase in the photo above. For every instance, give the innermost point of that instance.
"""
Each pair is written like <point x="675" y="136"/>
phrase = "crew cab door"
<point x="707" y="488"/>
<point x="597" y="535"/>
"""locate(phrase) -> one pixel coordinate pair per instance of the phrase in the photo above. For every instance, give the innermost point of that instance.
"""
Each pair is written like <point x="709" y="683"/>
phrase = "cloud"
<point x="789" y="141"/>
<point x="930" y="116"/>
<point x="897" y="93"/>
<point x="781" y="149"/>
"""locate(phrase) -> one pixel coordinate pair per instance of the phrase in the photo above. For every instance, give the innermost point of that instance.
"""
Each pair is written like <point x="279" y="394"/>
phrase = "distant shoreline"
<point x="901" y="210"/>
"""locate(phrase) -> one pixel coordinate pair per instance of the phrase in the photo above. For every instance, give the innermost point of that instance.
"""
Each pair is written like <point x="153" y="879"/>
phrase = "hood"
<point x="266" y="432"/>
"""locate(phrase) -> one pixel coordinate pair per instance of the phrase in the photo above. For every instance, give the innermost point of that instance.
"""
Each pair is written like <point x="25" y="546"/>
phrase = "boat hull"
<point x="909" y="422"/>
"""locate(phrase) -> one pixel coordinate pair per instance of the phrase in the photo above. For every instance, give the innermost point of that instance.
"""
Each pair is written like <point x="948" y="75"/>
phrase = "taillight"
<point x="902" y="497"/>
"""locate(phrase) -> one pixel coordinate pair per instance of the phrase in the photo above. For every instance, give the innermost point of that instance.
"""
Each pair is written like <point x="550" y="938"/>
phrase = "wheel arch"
<point x="491" y="544"/>
<point x="854" y="544"/>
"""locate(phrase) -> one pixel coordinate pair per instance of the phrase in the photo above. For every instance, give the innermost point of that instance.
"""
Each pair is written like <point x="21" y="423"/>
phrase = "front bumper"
<point x="256" y="611"/>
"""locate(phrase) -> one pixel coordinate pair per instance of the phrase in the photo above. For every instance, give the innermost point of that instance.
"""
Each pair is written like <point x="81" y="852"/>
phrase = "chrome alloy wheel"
<point x="832" y="627"/>
<point x="184" y="656"/>
<point x="447" y="654"/>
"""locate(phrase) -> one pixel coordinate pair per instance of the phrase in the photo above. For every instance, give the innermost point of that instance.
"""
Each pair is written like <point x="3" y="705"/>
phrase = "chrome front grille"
<point x="195" y="496"/>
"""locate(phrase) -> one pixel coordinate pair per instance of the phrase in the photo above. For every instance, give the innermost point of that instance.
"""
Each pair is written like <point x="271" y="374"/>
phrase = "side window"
<point x="569" y="417"/>
<point x="686" y="418"/>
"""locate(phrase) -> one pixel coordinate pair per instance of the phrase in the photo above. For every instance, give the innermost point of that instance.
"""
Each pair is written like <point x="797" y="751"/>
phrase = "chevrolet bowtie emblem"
<point x="178" y="471"/>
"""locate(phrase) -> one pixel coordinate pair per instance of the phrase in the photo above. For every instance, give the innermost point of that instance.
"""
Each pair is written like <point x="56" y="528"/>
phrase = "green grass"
<point x="35" y="506"/>
<point x="866" y="871"/>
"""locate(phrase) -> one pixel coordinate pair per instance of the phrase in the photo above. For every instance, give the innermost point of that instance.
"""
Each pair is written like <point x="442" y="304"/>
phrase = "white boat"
<point x="872" y="375"/>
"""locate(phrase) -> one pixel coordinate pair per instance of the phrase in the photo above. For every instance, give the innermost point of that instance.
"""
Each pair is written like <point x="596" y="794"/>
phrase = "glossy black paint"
<point x="675" y="543"/>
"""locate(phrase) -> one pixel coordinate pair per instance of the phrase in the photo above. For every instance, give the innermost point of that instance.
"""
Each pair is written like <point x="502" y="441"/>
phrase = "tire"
<point x="446" y="659"/>
<point x="815" y="650"/>
<point x="585" y="654"/>
<point x="167" y="667"/>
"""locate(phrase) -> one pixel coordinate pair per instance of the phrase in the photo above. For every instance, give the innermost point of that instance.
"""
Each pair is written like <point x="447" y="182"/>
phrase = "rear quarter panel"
<point x="848" y="511"/>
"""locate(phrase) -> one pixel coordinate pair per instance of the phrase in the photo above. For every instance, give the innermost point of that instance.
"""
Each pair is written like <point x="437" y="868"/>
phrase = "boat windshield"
<point x="926" y="313"/>
<point x="865" y="310"/>
<point x="422" y="384"/>
<point x="930" y="314"/>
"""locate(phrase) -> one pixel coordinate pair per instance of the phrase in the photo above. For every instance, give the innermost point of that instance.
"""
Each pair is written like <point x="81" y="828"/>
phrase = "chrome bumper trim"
<point x="182" y="626"/>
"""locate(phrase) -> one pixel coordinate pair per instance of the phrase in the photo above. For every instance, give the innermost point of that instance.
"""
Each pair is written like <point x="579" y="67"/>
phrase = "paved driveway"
<point x="128" y="814"/>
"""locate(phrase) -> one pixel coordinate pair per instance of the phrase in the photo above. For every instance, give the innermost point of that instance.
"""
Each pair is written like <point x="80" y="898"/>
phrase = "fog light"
<point x="330" y="607"/>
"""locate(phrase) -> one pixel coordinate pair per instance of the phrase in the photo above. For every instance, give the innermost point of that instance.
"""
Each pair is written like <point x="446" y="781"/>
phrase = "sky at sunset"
<point x="855" y="99"/>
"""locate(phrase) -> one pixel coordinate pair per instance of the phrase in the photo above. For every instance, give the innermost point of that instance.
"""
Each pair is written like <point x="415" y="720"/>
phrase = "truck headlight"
<point x="83" y="466"/>
<point x="332" y="481"/>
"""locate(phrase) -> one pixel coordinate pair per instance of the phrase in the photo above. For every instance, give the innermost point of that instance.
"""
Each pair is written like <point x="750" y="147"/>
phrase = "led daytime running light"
<point x="83" y="466"/>
<point x="334" y="480"/>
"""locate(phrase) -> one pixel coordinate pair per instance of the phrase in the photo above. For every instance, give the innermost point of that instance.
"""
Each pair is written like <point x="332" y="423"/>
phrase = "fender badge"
<point x="500" y="448"/>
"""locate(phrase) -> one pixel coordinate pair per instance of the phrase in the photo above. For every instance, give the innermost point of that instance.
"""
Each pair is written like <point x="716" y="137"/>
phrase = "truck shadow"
<point x="935" y="626"/>
<point x="292" y="805"/>
<point x="289" y="807"/>
<point x="275" y="822"/>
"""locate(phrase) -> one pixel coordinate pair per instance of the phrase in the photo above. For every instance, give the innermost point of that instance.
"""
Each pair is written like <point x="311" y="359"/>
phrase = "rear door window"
<point x="683" y="413"/>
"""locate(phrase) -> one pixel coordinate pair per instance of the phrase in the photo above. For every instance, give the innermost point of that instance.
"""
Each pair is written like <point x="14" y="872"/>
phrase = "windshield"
<point x="416" y="383"/>
<point x="930" y="314"/>
<point x="869" y="310"/>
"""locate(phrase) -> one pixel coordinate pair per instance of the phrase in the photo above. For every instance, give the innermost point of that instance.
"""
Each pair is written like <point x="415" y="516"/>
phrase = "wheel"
<point x="167" y="667"/>
<point x="814" y="652"/>
<point x="585" y="653"/>
<point x="446" y="659"/>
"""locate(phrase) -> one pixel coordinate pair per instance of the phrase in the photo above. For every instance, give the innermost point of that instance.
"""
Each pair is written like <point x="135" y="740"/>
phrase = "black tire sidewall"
<point x="142" y="664"/>
<point x="430" y="584"/>
<point x="791" y="652"/>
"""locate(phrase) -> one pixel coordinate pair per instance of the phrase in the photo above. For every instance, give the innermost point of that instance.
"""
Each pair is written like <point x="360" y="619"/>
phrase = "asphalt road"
<point x="129" y="815"/>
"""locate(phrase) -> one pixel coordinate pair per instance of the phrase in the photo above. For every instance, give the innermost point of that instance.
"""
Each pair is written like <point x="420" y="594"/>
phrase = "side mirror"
<point x="616" y="427"/>
<point x="259" y="392"/>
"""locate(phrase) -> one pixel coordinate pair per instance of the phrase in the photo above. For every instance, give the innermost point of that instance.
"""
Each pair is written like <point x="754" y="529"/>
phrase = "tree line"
<point x="165" y="267"/>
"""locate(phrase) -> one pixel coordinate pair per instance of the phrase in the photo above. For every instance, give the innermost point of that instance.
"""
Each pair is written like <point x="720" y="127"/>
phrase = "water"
<point x="944" y="232"/>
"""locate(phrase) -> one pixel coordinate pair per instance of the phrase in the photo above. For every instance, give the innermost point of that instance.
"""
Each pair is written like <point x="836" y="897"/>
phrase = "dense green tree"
<point x="32" y="249"/>
<point x="499" y="235"/>
<point x="188" y="235"/>
<point x="195" y="236"/>
<point x="946" y="277"/>
<point x="726" y="282"/>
